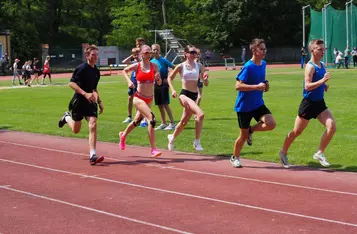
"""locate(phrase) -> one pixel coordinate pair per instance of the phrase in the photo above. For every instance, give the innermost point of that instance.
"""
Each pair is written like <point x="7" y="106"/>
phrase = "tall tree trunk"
<point x="164" y="12"/>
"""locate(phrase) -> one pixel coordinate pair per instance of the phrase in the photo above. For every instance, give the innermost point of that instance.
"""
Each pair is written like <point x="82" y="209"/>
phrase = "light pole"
<point x="303" y="24"/>
<point x="347" y="34"/>
<point x="325" y="31"/>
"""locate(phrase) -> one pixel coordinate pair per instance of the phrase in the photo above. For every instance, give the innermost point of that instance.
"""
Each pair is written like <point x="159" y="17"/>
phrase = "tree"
<point x="131" y="20"/>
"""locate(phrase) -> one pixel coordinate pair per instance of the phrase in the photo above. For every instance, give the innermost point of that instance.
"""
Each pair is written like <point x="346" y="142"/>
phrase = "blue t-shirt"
<point x="164" y="65"/>
<point x="318" y="93"/>
<point x="250" y="74"/>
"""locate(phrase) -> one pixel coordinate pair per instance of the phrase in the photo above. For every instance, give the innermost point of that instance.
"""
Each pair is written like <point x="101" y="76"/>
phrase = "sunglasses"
<point x="147" y="52"/>
<point x="192" y="52"/>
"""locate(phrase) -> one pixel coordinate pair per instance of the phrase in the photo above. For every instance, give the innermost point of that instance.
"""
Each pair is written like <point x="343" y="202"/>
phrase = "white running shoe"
<point x="284" y="160"/>
<point x="171" y="126"/>
<point x="197" y="146"/>
<point x="322" y="159"/>
<point x="235" y="162"/>
<point x="171" y="139"/>
<point x="161" y="127"/>
<point x="127" y="120"/>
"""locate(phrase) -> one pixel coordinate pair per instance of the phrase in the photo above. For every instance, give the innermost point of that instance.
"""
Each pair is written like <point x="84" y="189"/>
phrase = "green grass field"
<point x="38" y="109"/>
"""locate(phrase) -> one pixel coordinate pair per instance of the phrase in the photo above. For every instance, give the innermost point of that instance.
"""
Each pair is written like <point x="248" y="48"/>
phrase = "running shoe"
<point x="171" y="126"/>
<point x="63" y="121"/>
<point x="127" y="120"/>
<point x="284" y="160"/>
<point x="161" y="127"/>
<point x="322" y="159"/>
<point x="235" y="162"/>
<point x="197" y="146"/>
<point x="95" y="159"/>
<point x="155" y="153"/>
<point x="122" y="141"/>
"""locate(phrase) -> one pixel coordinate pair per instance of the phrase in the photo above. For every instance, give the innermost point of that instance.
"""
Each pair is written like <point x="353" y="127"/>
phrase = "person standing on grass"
<point x="85" y="101"/>
<point x="302" y="57"/>
<point x="46" y="70"/>
<point x="133" y="58"/>
<point x="146" y="74"/>
<point x="161" y="92"/>
<point x="36" y="70"/>
<point x="313" y="105"/>
<point x="354" y="56"/>
<point x="251" y="84"/>
<point x="190" y="72"/>
<point x="16" y="72"/>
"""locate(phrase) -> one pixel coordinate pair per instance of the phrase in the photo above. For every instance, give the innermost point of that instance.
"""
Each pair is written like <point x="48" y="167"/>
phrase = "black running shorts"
<point x="244" y="118"/>
<point x="311" y="109"/>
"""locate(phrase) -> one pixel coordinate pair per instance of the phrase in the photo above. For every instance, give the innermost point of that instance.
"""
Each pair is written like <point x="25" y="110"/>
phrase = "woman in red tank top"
<point x="146" y="74"/>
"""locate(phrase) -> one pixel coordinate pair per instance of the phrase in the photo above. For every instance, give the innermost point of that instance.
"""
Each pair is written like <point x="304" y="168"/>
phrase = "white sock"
<point x="197" y="141"/>
<point x="92" y="152"/>
<point x="67" y="118"/>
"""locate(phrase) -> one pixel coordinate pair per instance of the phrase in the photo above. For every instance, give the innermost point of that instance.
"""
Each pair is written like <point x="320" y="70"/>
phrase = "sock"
<point x="250" y="130"/>
<point x="197" y="141"/>
<point x="129" y="116"/>
<point x="92" y="152"/>
<point x="67" y="118"/>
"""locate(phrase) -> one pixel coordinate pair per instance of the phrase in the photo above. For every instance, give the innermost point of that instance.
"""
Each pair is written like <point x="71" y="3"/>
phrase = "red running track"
<point x="48" y="186"/>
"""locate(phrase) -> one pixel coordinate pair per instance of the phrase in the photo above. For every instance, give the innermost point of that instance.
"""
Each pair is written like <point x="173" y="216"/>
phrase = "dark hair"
<point x="256" y="42"/>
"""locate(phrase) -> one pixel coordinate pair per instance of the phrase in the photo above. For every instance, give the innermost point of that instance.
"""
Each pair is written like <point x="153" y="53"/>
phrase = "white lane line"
<point x="185" y="194"/>
<point x="199" y="172"/>
<point x="255" y="180"/>
<point x="94" y="210"/>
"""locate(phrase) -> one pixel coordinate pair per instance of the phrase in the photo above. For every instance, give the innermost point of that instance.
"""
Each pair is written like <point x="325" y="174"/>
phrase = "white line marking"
<point x="257" y="180"/>
<point x="54" y="150"/>
<point x="185" y="194"/>
<point x="94" y="210"/>
<point x="198" y="172"/>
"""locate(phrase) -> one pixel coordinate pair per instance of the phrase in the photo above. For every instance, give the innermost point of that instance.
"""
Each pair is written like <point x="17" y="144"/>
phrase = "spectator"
<point x="339" y="60"/>
<point x="208" y="55"/>
<point x="347" y="56"/>
<point x="354" y="56"/>
<point x="243" y="54"/>
<point x="303" y="55"/>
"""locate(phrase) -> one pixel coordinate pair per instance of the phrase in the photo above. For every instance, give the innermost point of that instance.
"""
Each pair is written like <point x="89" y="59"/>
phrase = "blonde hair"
<point x="315" y="42"/>
<point x="143" y="47"/>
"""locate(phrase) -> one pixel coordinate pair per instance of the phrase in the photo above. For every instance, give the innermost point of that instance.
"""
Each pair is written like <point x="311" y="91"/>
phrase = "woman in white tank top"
<point x="190" y="72"/>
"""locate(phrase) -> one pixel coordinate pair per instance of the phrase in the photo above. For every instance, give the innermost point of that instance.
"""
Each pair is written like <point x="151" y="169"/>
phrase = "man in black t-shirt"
<point x="85" y="101"/>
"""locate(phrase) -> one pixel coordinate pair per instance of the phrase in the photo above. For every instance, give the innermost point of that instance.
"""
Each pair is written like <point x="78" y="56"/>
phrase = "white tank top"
<point x="190" y="74"/>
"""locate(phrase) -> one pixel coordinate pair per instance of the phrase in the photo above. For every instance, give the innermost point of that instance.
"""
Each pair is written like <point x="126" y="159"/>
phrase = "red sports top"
<point x="143" y="77"/>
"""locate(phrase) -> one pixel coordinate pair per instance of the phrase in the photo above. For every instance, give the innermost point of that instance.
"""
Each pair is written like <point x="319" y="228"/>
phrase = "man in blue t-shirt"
<point x="161" y="93"/>
<point x="313" y="105"/>
<point x="251" y="84"/>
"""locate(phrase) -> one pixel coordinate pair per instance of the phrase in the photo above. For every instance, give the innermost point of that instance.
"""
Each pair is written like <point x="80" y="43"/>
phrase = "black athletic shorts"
<point x="80" y="107"/>
<point x="244" y="118"/>
<point x="189" y="94"/>
<point x="311" y="109"/>
<point x="161" y="94"/>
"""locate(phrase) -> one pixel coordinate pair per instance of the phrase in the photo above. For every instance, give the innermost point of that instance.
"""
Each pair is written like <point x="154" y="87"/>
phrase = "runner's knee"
<point x="153" y="120"/>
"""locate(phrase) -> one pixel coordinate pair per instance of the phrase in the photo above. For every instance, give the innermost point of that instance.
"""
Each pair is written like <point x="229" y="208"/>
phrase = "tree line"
<point x="221" y="24"/>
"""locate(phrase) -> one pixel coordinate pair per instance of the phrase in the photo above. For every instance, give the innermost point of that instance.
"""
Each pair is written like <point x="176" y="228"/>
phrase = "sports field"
<point x="38" y="109"/>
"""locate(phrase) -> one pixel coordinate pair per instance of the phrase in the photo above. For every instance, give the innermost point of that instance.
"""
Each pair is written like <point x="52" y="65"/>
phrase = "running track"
<point x="48" y="186"/>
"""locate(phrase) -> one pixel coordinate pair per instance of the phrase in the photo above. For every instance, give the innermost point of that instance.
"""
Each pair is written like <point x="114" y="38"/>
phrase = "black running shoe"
<point x="63" y="121"/>
<point x="95" y="159"/>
